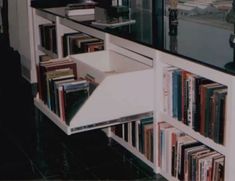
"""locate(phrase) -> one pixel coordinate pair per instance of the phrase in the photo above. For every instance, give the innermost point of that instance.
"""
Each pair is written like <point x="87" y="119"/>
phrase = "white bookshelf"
<point x="130" y="77"/>
<point x="228" y="148"/>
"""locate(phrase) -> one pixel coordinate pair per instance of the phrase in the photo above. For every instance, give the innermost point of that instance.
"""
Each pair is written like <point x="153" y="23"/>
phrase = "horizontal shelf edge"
<point x="48" y="52"/>
<point x="72" y="130"/>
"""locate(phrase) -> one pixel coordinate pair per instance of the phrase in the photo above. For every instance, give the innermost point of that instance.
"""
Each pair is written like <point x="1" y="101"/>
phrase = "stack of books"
<point x="74" y="43"/>
<point x="48" y="37"/>
<point x="83" y="8"/>
<point x="60" y="89"/>
<point x="184" y="158"/>
<point x="112" y="17"/>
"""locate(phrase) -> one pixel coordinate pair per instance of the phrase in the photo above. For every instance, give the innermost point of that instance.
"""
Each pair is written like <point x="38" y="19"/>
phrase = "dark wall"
<point x="4" y="14"/>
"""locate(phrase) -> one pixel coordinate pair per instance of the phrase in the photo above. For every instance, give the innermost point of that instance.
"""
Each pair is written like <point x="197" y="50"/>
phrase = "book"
<point x="187" y="153"/>
<point x="161" y="141"/>
<point x="206" y="93"/>
<point x="93" y="46"/>
<point x="44" y="58"/>
<point x="76" y="12"/>
<point x="58" y="90"/>
<point x="48" y="36"/>
<point x="117" y="130"/>
<point x="75" y="94"/>
<point x="126" y="131"/>
<point x="181" y="140"/>
<point x="69" y="41"/>
<point x="53" y="64"/>
<point x="78" y="43"/>
<point x="143" y="123"/>
<point x="176" y="97"/>
<point x="83" y="8"/>
<point x="196" y="114"/>
<point x="51" y="75"/>
<point x="133" y="132"/>
<point x="53" y="91"/>
<point x="186" y="145"/>
<point x="209" y="93"/>
<point x="147" y="137"/>
<point x="74" y="43"/>
<point x="168" y="90"/>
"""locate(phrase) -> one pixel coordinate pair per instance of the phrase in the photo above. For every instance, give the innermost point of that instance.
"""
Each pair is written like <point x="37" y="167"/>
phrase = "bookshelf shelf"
<point x="164" y="67"/>
<point x="206" y="141"/>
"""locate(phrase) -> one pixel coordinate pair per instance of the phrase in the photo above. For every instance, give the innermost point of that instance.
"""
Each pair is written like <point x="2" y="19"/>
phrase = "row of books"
<point x="185" y="158"/>
<point x="48" y="36"/>
<point x="79" y="42"/>
<point x="195" y="101"/>
<point x="60" y="89"/>
<point x="139" y="134"/>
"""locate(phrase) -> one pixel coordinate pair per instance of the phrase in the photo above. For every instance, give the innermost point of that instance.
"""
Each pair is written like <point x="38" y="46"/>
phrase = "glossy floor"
<point x="32" y="147"/>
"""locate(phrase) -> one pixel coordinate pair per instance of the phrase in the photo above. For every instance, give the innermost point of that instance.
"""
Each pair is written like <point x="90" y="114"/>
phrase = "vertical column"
<point x="59" y="33"/>
<point x="158" y="102"/>
<point x="229" y="173"/>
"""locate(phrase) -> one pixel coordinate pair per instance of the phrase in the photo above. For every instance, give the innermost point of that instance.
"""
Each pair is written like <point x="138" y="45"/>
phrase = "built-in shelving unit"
<point x="131" y="83"/>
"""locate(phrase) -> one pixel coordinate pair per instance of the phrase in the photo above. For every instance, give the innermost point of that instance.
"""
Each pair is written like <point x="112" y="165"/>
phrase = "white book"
<point x="76" y="12"/>
<point x="167" y="89"/>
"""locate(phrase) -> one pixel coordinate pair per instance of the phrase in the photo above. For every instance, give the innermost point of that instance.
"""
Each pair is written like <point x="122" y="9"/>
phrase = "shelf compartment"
<point x="196" y="135"/>
<point x="132" y="150"/>
<point x="125" y="89"/>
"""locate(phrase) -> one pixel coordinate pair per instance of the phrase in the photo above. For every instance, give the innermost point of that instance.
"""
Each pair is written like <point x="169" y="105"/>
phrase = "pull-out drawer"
<point x="124" y="91"/>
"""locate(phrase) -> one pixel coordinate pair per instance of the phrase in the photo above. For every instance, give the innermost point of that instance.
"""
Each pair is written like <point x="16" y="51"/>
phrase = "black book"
<point x="126" y="131"/>
<point x="198" y="81"/>
<point x="48" y="30"/>
<point x="66" y="43"/>
<point x="185" y="146"/>
<point x="143" y="123"/>
<point x="118" y="130"/>
<point x="75" y="94"/>
<point x="53" y="39"/>
<point x="133" y="133"/>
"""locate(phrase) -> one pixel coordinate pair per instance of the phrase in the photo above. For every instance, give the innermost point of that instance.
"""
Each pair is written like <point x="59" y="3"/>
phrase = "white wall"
<point x="13" y="24"/>
<point x="21" y="34"/>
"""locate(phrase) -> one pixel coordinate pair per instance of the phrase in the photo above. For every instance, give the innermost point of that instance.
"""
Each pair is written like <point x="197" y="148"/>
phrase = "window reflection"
<point x="211" y="12"/>
<point x="202" y="32"/>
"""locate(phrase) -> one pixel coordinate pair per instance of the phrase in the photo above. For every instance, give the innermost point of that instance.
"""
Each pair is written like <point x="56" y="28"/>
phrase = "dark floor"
<point x="33" y="148"/>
